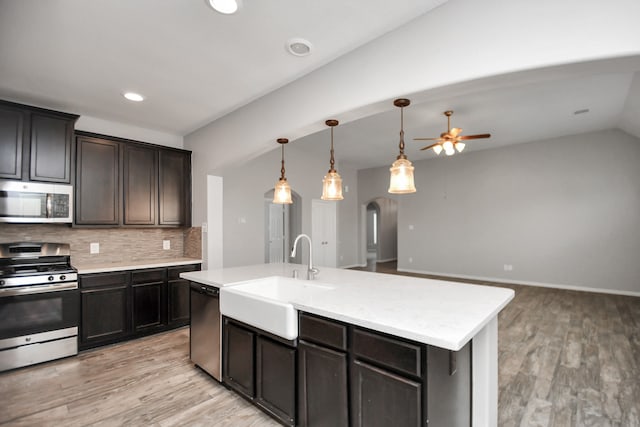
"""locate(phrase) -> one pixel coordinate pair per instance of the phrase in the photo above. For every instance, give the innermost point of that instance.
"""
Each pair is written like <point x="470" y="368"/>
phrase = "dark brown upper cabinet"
<point x="140" y="189"/>
<point x="35" y="144"/>
<point x="175" y="182"/>
<point x="135" y="185"/>
<point x="97" y="188"/>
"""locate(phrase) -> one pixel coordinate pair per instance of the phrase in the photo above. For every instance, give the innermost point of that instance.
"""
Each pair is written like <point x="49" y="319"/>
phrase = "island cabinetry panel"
<point x="35" y="144"/>
<point x="148" y="289"/>
<point x="238" y="360"/>
<point x="140" y="185"/>
<point x="178" y="295"/>
<point x="323" y="398"/>
<point x="128" y="183"/>
<point x="105" y="312"/>
<point x="97" y="187"/>
<point x="121" y="305"/>
<point x="261" y="367"/>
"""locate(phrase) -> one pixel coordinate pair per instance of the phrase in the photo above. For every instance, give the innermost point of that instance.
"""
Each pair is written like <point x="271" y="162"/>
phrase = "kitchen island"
<point x="437" y="313"/>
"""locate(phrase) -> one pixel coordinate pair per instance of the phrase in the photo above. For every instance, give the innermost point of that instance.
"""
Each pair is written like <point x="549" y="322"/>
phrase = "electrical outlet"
<point x="410" y="260"/>
<point x="94" y="248"/>
<point x="205" y="227"/>
<point x="410" y="226"/>
<point x="166" y="244"/>
<point x="508" y="267"/>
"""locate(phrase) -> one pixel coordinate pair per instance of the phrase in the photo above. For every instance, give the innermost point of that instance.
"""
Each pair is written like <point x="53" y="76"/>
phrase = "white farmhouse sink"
<point x="267" y="303"/>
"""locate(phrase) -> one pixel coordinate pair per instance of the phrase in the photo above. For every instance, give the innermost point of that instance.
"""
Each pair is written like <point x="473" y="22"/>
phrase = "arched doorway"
<point x="282" y="224"/>
<point x="380" y="231"/>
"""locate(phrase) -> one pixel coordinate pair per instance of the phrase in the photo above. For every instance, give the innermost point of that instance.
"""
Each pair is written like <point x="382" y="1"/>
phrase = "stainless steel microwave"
<point x="32" y="202"/>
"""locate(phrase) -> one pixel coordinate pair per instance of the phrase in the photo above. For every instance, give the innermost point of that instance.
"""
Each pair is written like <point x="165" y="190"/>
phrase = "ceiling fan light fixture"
<point x="460" y="146"/>
<point x="226" y="7"/>
<point x="401" y="179"/>
<point x="437" y="149"/>
<point x="332" y="182"/>
<point x="282" y="189"/>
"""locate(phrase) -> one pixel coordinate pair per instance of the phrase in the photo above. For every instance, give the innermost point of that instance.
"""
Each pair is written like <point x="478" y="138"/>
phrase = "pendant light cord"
<point x="282" y="169"/>
<point x="332" y="161"/>
<point x="402" y="155"/>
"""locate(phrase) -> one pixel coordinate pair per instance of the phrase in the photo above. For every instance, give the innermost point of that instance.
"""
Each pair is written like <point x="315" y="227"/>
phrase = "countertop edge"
<point x="135" y="265"/>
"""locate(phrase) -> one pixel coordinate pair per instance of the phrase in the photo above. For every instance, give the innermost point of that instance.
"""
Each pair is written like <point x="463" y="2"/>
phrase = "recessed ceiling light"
<point x="132" y="96"/>
<point x="584" y="110"/>
<point x="226" y="7"/>
<point x="299" y="47"/>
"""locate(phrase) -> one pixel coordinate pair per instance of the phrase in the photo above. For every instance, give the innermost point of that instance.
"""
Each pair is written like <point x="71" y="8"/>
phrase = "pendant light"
<point x="282" y="190"/>
<point x="401" y="180"/>
<point x="332" y="183"/>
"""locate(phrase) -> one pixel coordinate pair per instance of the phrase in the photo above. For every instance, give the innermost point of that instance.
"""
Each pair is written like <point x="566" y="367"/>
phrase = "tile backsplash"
<point x="116" y="244"/>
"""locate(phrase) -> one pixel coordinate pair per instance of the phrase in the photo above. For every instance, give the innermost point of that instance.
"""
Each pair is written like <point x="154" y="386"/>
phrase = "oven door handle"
<point x="40" y="289"/>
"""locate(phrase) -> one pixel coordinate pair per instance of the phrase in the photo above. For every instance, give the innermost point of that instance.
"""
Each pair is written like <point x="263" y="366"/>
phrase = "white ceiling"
<point x="195" y="65"/>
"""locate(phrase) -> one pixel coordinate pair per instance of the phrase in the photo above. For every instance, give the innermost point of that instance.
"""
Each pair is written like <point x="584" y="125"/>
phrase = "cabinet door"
<point x="380" y="398"/>
<point x="178" y="302"/>
<point x="147" y="306"/>
<point x="97" y="184"/>
<point x="322" y="386"/>
<point x="51" y="138"/>
<point x="139" y="185"/>
<point x="11" y="136"/>
<point x="238" y="359"/>
<point x="104" y="316"/>
<point x="276" y="379"/>
<point x="174" y="188"/>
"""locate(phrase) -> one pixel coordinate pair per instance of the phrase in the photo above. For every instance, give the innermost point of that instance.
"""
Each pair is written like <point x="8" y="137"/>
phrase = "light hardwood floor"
<point x="566" y="358"/>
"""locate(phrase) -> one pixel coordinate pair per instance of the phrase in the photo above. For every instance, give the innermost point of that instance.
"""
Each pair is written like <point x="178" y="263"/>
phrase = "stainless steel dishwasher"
<point x="205" y="337"/>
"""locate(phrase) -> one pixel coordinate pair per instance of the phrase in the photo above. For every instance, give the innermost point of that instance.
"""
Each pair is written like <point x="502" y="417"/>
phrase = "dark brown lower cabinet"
<point x="121" y="305"/>
<point x="322" y="386"/>
<point x="262" y="368"/>
<point x="238" y="359"/>
<point x="381" y="398"/>
<point x="276" y="379"/>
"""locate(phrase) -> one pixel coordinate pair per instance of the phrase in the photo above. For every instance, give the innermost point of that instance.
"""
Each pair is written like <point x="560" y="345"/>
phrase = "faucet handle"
<point x="312" y="273"/>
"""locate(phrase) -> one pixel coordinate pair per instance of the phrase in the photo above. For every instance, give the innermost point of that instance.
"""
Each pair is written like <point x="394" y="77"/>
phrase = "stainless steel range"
<point x="39" y="304"/>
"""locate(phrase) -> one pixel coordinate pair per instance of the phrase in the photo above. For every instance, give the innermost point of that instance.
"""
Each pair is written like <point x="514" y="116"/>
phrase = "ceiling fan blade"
<point x="427" y="139"/>
<point x="455" y="132"/>
<point x="429" y="146"/>
<point x="481" y="135"/>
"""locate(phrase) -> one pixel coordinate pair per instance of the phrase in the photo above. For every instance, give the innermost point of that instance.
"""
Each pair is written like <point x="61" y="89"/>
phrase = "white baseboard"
<point x="353" y="266"/>
<point x="386" y="260"/>
<point x="526" y="283"/>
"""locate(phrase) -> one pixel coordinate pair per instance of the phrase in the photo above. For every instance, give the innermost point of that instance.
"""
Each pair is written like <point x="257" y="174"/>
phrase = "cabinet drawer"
<point x="104" y="279"/>
<point x="146" y="276"/>
<point x="388" y="352"/>
<point x="174" y="272"/>
<point x="323" y="331"/>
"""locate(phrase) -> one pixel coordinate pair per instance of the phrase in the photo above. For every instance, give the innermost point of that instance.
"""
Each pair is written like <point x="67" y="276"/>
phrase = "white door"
<point x="276" y="232"/>
<point x="324" y="233"/>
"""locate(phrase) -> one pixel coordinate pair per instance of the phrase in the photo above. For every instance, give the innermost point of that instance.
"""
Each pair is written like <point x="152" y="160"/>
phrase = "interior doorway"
<point x="380" y="232"/>
<point x="282" y="224"/>
<point x="373" y="214"/>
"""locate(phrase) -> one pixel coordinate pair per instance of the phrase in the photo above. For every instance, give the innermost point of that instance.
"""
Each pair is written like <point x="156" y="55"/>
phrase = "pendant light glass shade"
<point x="401" y="181"/>
<point x="401" y="178"/>
<point x="332" y="187"/>
<point x="332" y="183"/>
<point x="282" y="189"/>
<point x="282" y="192"/>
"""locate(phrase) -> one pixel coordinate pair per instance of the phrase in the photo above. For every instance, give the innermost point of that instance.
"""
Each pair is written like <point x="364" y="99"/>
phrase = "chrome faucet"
<point x="311" y="270"/>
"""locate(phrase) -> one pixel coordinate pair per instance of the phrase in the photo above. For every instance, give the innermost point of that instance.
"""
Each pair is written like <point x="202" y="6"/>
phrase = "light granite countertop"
<point x="436" y="312"/>
<point x="105" y="267"/>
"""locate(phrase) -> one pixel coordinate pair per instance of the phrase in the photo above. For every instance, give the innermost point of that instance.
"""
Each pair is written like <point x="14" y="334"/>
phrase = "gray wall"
<point x="561" y="212"/>
<point x="243" y="203"/>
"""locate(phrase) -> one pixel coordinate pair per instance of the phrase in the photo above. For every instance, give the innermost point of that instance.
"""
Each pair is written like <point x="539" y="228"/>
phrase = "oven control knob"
<point x="1" y="282"/>
<point x="63" y="277"/>
<point x="50" y="278"/>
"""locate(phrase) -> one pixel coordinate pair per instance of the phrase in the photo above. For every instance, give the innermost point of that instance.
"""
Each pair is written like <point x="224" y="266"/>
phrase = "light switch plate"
<point x="94" y="248"/>
<point x="166" y="244"/>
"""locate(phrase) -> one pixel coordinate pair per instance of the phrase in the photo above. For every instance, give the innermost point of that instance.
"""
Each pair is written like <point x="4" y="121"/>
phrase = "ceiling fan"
<point x="450" y="139"/>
